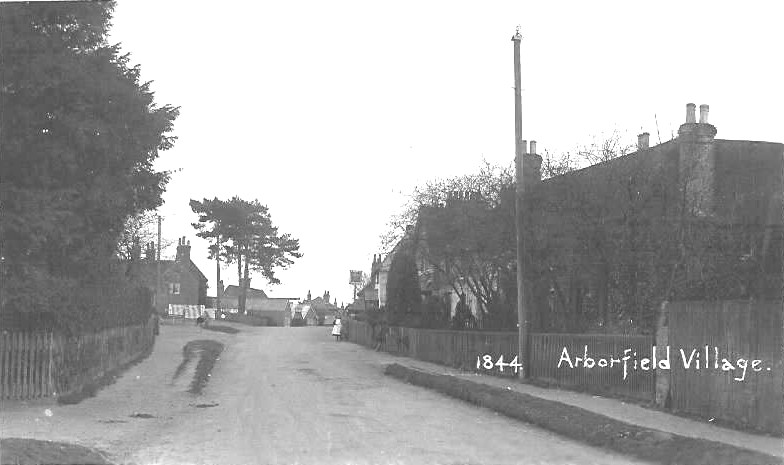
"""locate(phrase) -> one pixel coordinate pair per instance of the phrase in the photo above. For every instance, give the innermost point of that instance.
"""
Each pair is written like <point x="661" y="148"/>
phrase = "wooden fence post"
<point x="50" y="367"/>
<point x="3" y="350"/>
<point x="662" y="341"/>
<point x="33" y="365"/>
<point x="18" y="365"/>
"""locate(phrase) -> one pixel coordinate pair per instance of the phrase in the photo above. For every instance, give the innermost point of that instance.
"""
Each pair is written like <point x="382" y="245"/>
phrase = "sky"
<point x="330" y="113"/>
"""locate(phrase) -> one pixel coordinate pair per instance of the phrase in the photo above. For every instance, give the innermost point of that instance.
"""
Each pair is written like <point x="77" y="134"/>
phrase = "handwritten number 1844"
<point x="486" y="362"/>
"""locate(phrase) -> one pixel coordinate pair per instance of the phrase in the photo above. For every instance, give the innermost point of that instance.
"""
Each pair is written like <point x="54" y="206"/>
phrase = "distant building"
<point x="369" y="296"/>
<point x="231" y="295"/>
<point x="181" y="281"/>
<point x="383" y="274"/>
<point x="304" y="315"/>
<point x="276" y="311"/>
<point x="370" y="292"/>
<point x="323" y="310"/>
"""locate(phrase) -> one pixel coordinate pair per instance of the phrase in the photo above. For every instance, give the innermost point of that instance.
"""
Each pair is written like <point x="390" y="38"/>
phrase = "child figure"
<point x="336" y="329"/>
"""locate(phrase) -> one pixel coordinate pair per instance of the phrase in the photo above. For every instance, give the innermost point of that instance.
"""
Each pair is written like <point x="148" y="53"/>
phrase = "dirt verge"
<point x="222" y="329"/>
<point x="585" y="426"/>
<point x="19" y="451"/>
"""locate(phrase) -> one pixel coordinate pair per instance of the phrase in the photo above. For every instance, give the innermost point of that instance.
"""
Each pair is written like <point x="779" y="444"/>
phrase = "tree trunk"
<point x="239" y="268"/>
<point x="217" y="278"/>
<point x="240" y="299"/>
<point x="245" y="283"/>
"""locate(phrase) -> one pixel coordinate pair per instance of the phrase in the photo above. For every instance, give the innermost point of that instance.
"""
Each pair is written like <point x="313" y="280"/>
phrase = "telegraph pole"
<point x="217" y="283"/>
<point x="522" y="310"/>
<point x="158" y="268"/>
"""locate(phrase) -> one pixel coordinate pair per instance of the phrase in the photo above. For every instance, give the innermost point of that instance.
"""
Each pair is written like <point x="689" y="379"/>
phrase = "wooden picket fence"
<point x="26" y="363"/>
<point x="461" y="349"/>
<point x="748" y="330"/>
<point x="458" y="349"/>
<point x="547" y="350"/>
<point x="43" y="364"/>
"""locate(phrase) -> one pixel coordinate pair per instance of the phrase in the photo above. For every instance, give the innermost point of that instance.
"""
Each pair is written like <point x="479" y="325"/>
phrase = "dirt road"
<point x="285" y="396"/>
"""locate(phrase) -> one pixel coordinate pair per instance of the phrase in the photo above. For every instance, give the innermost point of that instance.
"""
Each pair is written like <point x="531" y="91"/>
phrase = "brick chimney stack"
<point x="697" y="162"/>
<point x="532" y="165"/>
<point x="643" y="141"/>
<point x="150" y="253"/>
<point x="183" y="250"/>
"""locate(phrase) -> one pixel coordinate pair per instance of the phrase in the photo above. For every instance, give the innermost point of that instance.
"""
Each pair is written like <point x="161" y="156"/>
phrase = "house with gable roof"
<point x="322" y="309"/>
<point x="181" y="282"/>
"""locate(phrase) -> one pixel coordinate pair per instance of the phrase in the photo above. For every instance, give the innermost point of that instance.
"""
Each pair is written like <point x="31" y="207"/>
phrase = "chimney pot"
<point x="525" y="146"/>
<point x="532" y="150"/>
<point x="690" y="113"/>
<point x="704" y="114"/>
<point x="643" y="140"/>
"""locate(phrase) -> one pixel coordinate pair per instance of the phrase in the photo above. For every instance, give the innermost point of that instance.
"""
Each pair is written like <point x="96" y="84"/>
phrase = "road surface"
<point x="286" y="396"/>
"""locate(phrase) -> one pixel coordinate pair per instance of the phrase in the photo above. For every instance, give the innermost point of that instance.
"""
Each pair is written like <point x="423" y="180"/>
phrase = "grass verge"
<point x="585" y="426"/>
<point x="91" y="388"/>
<point x="208" y="352"/>
<point x="32" y="451"/>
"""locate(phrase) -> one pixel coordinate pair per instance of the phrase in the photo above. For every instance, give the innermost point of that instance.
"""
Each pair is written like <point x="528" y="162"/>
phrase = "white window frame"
<point x="174" y="288"/>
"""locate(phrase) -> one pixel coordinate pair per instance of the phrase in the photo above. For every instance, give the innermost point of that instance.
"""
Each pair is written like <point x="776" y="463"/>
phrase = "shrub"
<point x="35" y="301"/>
<point x="405" y="295"/>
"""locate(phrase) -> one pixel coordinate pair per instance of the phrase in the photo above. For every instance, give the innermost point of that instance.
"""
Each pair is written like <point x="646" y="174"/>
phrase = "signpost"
<point x="355" y="280"/>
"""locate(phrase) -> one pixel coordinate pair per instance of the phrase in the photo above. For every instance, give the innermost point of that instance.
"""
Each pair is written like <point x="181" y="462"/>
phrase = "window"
<point x="174" y="288"/>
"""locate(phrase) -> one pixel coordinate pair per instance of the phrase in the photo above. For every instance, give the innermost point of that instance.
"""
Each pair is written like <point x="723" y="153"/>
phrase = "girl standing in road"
<point x="336" y="328"/>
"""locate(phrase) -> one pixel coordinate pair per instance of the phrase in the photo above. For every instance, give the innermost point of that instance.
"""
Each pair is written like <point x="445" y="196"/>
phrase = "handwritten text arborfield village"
<point x="696" y="359"/>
